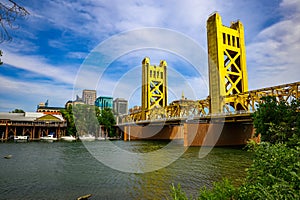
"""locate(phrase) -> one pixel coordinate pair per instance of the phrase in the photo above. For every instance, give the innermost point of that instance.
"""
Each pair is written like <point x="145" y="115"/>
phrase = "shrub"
<point x="277" y="121"/>
<point x="221" y="190"/>
<point x="177" y="193"/>
<point x="274" y="173"/>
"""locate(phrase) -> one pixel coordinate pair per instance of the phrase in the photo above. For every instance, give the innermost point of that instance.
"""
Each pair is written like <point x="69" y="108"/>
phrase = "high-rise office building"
<point x="104" y="102"/>
<point x="120" y="106"/>
<point x="89" y="96"/>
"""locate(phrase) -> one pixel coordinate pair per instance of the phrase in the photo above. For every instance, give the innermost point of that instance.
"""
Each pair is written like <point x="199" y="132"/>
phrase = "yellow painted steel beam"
<point x="251" y="99"/>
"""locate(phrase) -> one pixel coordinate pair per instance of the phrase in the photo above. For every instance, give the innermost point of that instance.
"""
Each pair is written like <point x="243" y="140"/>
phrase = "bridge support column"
<point x="6" y="131"/>
<point x="212" y="133"/>
<point x="215" y="134"/>
<point x="126" y="133"/>
<point x="153" y="132"/>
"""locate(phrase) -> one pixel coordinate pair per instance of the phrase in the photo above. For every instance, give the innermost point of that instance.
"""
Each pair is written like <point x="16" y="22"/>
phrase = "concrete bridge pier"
<point x="193" y="133"/>
<point x="217" y="134"/>
<point x="153" y="132"/>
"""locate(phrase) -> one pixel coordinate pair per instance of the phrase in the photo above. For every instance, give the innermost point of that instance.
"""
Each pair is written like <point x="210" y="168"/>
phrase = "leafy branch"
<point x="9" y="12"/>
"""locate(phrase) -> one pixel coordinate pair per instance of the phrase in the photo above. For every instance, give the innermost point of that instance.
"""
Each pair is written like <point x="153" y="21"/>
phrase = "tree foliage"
<point x="274" y="173"/>
<point x="18" y="111"/>
<point x="85" y="119"/>
<point x="277" y="121"/>
<point x="177" y="193"/>
<point x="107" y="119"/>
<point x="9" y="12"/>
<point x="69" y="117"/>
<point x="220" y="191"/>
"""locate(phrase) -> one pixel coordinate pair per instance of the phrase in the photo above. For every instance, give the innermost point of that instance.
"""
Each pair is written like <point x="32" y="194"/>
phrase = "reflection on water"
<point x="63" y="170"/>
<point x="138" y="157"/>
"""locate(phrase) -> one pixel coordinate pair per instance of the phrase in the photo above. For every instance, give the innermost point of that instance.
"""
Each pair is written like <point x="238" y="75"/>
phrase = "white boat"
<point x="87" y="138"/>
<point x="68" y="138"/>
<point x="49" y="138"/>
<point x="100" y="138"/>
<point x="21" y="138"/>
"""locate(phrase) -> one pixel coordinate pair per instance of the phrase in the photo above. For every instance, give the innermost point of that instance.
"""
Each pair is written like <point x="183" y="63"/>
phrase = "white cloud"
<point x="273" y="56"/>
<point x="80" y="25"/>
<point x="290" y="9"/>
<point x="26" y="95"/>
<point x="77" y="55"/>
<point x="56" y="44"/>
<point x="38" y="65"/>
<point x="19" y="45"/>
<point x="99" y="19"/>
<point x="7" y="105"/>
<point x="161" y="44"/>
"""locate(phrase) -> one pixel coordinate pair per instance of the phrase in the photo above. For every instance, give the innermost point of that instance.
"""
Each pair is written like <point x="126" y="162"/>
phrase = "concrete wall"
<point x="194" y="134"/>
<point x="154" y="132"/>
<point x="217" y="134"/>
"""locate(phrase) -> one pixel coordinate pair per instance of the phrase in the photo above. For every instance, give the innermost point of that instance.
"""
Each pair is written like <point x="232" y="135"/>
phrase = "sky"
<point x="65" y="46"/>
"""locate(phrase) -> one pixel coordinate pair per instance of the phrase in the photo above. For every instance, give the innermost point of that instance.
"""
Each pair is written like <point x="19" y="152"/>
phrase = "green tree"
<point x="9" y="12"/>
<point x="107" y="119"/>
<point x="69" y="117"/>
<point x="18" y="111"/>
<point x="277" y="121"/>
<point x="86" y="119"/>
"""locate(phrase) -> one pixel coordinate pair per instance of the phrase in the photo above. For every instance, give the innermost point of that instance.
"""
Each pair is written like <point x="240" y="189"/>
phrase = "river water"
<point x="67" y="170"/>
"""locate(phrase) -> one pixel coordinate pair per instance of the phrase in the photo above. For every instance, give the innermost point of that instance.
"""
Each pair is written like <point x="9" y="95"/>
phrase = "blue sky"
<point x="57" y="40"/>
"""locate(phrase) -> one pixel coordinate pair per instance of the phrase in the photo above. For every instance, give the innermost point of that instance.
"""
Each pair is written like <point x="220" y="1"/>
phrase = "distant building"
<point x="183" y="100"/>
<point x="44" y="108"/>
<point x="73" y="103"/>
<point x="31" y="124"/>
<point x="43" y="104"/>
<point x="104" y="102"/>
<point x="89" y="96"/>
<point x="120" y="106"/>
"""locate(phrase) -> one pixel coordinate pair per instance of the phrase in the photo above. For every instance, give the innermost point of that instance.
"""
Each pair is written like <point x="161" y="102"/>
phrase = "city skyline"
<point x="50" y="45"/>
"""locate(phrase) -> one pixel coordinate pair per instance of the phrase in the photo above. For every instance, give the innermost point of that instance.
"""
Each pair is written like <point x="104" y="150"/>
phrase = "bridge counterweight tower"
<point x="154" y="86"/>
<point x="227" y="63"/>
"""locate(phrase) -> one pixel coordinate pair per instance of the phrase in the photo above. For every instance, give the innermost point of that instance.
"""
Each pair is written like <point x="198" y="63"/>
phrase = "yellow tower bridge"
<point x="154" y="87"/>
<point x="229" y="97"/>
<point x="228" y="81"/>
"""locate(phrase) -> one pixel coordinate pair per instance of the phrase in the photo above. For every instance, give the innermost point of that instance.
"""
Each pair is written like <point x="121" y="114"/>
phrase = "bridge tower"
<point x="154" y="86"/>
<point x="227" y="64"/>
